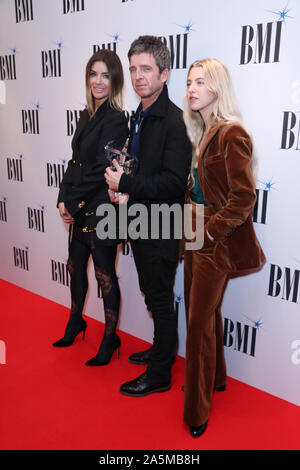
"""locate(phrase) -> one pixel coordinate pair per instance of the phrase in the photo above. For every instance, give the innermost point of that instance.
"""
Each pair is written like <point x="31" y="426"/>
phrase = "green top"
<point x="196" y="193"/>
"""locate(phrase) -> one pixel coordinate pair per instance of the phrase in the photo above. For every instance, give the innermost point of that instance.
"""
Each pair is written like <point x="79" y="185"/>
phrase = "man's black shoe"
<point x="143" y="385"/>
<point x="141" y="358"/>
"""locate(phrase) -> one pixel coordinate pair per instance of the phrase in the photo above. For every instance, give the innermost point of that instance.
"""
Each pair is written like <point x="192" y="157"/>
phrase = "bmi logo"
<point x="178" y="45"/>
<point x="73" y="6"/>
<point x="72" y="120"/>
<point x="15" y="169"/>
<point x="3" y="216"/>
<point x="240" y="336"/>
<point x="261" y="43"/>
<point x="30" y="120"/>
<point x="24" y="10"/>
<point x="35" y="218"/>
<point x="8" y="66"/>
<point x="60" y="273"/>
<point x="261" y="206"/>
<point x="51" y="62"/>
<point x="111" y="46"/>
<point x="284" y="283"/>
<point x="290" y="131"/>
<point x="55" y="174"/>
<point x="21" y="258"/>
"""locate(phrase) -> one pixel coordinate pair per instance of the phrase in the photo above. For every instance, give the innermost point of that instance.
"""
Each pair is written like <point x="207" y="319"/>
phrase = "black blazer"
<point x="164" y="154"/>
<point x="83" y="186"/>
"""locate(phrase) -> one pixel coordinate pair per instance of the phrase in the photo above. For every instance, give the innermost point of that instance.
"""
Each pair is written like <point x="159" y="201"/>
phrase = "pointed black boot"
<point x="74" y="327"/>
<point x="108" y="346"/>
<point x="197" y="431"/>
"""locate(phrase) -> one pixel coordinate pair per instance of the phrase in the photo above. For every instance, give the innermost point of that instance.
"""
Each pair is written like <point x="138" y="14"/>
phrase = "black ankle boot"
<point x="197" y="431"/>
<point x="108" y="345"/>
<point x="74" y="327"/>
<point x="141" y="358"/>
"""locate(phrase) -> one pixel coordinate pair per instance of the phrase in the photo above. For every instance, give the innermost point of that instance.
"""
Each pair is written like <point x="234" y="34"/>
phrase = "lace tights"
<point x="104" y="258"/>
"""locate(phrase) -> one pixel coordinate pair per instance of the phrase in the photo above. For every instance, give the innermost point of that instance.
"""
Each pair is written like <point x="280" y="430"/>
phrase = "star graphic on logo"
<point x="187" y="28"/>
<point x="37" y="106"/>
<point x="59" y="44"/>
<point x="179" y="298"/>
<point x="63" y="160"/>
<point x="256" y="323"/>
<point x="13" y="50"/>
<point x="268" y="185"/>
<point x="43" y="207"/>
<point x="282" y="14"/>
<point x="115" y="37"/>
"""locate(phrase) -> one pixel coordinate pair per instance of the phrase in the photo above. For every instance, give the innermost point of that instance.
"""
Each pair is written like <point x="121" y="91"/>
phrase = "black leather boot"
<point x="141" y="358"/>
<point x="143" y="385"/>
<point x="74" y="327"/>
<point x="108" y="346"/>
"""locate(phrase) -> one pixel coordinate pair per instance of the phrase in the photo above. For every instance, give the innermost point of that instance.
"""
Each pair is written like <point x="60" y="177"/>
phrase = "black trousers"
<point x="156" y="273"/>
<point x="104" y="258"/>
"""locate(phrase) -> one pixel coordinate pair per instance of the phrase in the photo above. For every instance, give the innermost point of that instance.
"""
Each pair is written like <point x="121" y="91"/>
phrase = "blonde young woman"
<point x="83" y="189"/>
<point x="221" y="178"/>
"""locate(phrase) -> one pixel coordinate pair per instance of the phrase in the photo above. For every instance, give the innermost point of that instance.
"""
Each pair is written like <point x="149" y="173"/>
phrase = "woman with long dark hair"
<point x="83" y="189"/>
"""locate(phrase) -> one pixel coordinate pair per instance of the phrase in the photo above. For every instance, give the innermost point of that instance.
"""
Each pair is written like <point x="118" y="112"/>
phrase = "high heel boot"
<point x="108" y="345"/>
<point x="74" y="327"/>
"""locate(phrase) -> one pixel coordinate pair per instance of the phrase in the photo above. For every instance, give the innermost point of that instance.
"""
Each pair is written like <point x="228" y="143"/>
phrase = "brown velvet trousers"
<point x="205" y="367"/>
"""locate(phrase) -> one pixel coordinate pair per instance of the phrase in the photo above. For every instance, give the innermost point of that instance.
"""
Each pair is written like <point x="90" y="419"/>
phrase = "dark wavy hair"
<point x="116" y="77"/>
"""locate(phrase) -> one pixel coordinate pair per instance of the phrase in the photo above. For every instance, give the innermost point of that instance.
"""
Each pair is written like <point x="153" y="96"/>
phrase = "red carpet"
<point x="51" y="400"/>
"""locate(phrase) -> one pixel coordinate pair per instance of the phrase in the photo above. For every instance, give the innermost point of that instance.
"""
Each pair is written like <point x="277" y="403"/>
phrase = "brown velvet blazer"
<point x="226" y="177"/>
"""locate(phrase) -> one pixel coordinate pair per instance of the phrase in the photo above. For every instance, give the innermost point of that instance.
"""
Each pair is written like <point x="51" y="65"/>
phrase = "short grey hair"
<point x="152" y="45"/>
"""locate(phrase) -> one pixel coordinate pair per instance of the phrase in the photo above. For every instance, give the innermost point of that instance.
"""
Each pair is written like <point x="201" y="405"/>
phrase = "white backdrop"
<point x="44" y="47"/>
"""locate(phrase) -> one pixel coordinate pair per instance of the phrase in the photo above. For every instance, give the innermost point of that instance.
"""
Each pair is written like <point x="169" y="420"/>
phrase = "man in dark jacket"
<point x="158" y="139"/>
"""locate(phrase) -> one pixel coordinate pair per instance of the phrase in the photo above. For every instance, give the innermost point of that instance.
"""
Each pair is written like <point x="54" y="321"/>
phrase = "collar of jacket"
<point x="92" y="122"/>
<point x="102" y="108"/>
<point x="209" y="136"/>
<point x="160" y="107"/>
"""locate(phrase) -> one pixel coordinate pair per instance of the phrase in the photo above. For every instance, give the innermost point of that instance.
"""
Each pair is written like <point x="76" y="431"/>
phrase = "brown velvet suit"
<point x="225" y="175"/>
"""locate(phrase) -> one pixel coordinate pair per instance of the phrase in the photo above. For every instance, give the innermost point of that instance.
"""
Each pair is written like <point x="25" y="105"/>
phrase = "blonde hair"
<point x="225" y="110"/>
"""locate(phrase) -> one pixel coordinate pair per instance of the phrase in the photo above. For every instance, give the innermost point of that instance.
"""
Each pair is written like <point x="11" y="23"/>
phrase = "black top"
<point x="165" y="154"/>
<point x="84" y="187"/>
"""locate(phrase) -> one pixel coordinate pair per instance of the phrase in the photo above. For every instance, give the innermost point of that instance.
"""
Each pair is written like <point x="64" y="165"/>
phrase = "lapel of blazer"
<point x="80" y="126"/>
<point x="207" y="140"/>
<point x="98" y="116"/>
<point x="91" y="124"/>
